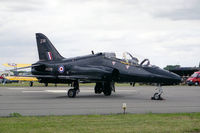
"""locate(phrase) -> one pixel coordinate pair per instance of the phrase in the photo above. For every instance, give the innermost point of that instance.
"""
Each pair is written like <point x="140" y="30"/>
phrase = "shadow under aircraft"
<point x="103" y="69"/>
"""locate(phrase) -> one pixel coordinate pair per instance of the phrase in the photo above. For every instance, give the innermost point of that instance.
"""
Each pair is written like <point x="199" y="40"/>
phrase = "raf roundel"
<point x="61" y="69"/>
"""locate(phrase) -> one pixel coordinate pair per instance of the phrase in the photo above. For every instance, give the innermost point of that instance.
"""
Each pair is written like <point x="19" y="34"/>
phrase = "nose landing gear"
<point x="157" y="95"/>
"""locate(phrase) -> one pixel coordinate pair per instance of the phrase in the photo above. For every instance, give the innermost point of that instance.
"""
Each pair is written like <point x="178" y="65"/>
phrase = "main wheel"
<point x="98" y="88"/>
<point x="156" y="96"/>
<point x="107" y="92"/>
<point x="107" y="89"/>
<point x="71" y="93"/>
<point x="196" y="83"/>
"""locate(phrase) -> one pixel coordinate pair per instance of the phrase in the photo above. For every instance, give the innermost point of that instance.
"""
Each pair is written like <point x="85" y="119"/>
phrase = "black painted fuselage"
<point x="102" y="68"/>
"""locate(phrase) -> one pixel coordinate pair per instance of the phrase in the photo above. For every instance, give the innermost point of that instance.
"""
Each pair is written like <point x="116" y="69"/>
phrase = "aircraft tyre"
<point x="196" y="83"/>
<point x="71" y="93"/>
<point x="157" y="96"/>
<point x="98" y="88"/>
<point x="107" y="89"/>
<point x="107" y="92"/>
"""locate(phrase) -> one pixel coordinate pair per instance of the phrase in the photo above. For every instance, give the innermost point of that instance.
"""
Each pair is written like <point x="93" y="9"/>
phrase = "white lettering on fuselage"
<point x="42" y="41"/>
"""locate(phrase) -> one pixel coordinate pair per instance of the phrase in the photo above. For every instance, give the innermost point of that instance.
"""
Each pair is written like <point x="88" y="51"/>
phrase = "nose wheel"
<point x="157" y="95"/>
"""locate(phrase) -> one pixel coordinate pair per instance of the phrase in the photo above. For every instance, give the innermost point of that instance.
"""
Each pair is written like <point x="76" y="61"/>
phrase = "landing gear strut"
<point x="74" y="91"/>
<point x="157" y="95"/>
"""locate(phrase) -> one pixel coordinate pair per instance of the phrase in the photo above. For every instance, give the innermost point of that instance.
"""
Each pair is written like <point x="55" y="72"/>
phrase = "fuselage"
<point x="100" y="68"/>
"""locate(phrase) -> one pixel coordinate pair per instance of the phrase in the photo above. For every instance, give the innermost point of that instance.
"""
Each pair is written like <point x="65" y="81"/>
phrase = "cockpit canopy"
<point x="128" y="58"/>
<point x="110" y="55"/>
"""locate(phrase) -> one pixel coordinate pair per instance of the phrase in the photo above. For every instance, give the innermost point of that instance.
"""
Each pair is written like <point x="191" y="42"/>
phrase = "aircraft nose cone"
<point x="176" y="78"/>
<point x="163" y="77"/>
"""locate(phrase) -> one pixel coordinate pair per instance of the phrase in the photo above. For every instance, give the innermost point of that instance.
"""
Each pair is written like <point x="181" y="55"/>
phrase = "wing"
<point x="21" y="78"/>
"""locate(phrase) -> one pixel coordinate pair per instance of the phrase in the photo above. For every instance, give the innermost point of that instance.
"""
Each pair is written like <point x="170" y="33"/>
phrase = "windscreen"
<point x="110" y="55"/>
<point x="194" y="75"/>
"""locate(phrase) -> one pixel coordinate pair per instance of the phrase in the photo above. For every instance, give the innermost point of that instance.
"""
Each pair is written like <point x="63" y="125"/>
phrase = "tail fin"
<point x="46" y="50"/>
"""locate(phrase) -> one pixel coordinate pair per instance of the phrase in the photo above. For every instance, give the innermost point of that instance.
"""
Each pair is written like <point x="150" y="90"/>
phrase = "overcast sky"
<point x="165" y="31"/>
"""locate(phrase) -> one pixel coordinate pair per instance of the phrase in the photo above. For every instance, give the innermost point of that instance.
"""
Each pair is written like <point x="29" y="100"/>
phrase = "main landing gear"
<point x="157" y="95"/>
<point x="105" y="87"/>
<point x="74" y="91"/>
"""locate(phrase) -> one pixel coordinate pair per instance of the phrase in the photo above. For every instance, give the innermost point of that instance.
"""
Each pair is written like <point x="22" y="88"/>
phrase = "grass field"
<point x="129" y="123"/>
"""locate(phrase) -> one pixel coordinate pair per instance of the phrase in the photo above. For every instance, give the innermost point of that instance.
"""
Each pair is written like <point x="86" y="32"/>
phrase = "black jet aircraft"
<point x="103" y="69"/>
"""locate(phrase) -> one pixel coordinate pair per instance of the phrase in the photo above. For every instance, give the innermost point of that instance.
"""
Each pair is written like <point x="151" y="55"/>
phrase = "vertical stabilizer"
<point x="46" y="50"/>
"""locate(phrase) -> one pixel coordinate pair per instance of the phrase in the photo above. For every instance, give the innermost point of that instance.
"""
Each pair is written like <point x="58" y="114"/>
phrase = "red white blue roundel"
<point x="61" y="69"/>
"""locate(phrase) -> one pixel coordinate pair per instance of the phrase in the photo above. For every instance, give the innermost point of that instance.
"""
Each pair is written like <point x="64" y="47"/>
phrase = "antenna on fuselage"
<point x="92" y="52"/>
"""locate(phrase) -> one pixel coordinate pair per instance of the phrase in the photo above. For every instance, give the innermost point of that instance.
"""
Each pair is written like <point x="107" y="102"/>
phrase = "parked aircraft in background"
<point x="184" y="72"/>
<point x="104" y="69"/>
<point x="19" y="76"/>
<point x="22" y="78"/>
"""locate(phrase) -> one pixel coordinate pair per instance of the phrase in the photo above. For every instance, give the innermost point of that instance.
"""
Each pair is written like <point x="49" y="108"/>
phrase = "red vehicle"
<point x="194" y="79"/>
<point x="1" y="79"/>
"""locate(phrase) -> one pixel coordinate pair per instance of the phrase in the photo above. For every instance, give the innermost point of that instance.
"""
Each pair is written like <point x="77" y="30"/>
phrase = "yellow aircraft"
<point x="20" y="78"/>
